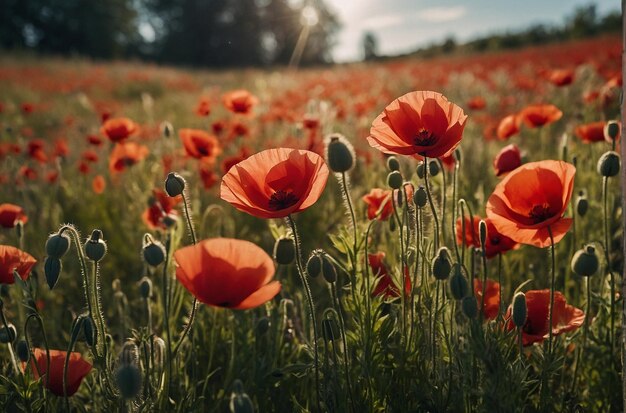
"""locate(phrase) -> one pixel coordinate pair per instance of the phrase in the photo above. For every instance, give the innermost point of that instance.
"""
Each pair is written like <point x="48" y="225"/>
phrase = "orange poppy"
<point x="98" y="184"/>
<point x="421" y="123"/>
<point x="532" y="198"/>
<point x="10" y="214"/>
<point x="495" y="244"/>
<point x="77" y="370"/>
<point x="207" y="175"/>
<point x="378" y="200"/>
<point x="126" y="154"/>
<point x="508" y="127"/>
<point x="508" y="159"/>
<point x="11" y="259"/>
<point x="240" y="101"/>
<point x="204" y="107"/>
<point x="535" y="116"/>
<point x="118" y="129"/>
<point x="590" y="132"/>
<point x="385" y="286"/>
<point x="477" y="103"/>
<point x="275" y="183"/>
<point x="492" y="297"/>
<point x="564" y="316"/>
<point x="225" y="272"/>
<point x="562" y="77"/>
<point x="199" y="144"/>
<point x="161" y="206"/>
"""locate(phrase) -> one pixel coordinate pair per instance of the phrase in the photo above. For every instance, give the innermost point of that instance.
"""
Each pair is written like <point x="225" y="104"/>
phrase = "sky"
<point x="405" y="25"/>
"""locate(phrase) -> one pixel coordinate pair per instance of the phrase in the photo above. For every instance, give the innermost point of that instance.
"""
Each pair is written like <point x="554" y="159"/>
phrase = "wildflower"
<point x="508" y="159"/>
<point x="118" y="129"/>
<point x="77" y="370"/>
<point x="535" y="116"/>
<point x="11" y="214"/>
<point x="240" y="101"/>
<point x="199" y="144"/>
<point x="11" y="259"/>
<point x="378" y="202"/>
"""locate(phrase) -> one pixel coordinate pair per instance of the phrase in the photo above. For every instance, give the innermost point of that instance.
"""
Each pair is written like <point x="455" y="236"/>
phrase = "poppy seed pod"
<point x="57" y="245"/>
<point x="314" y="265"/>
<point x="394" y="180"/>
<point x="611" y="131"/>
<point x="145" y="288"/>
<point x="339" y="153"/>
<point x="153" y="253"/>
<point x="174" y="184"/>
<point x="469" y="305"/>
<point x="520" y="310"/>
<point x="90" y="332"/>
<point x="458" y="283"/>
<point x="7" y="333"/>
<point x="393" y="164"/>
<point x="433" y="168"/>
<point x="585" y="261"/>
<point x="95" y="247"/>
<point x="52" y="269"/>
<point x="420" y="197"/>
<point x="22" y="349"/>
<point x="284" y="250"/>
<point x="582" y="205"/>
<point x="128" y="380"/>
<point x="167" y="130"/>
<point x="419" y="170"/>
<point x="442" y="264"/>
<point x="482" y="230"/>
<point x="609" y="164"/>
<point x="328" y="270"/>
<point x="240" y="402"/>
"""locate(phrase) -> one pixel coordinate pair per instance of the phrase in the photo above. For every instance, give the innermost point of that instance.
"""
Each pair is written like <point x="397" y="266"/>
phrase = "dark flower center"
<point x="281" y="200"/>
<point x="495" y="241"/>
<point x="424" y="138"/>
<point x="540" y="213"/>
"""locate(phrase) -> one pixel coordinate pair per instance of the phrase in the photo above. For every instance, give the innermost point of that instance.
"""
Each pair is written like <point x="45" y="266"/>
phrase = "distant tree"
<point x="370" y="46"/>
<point x="448" y="45"/>
<point x="583" y="22"/>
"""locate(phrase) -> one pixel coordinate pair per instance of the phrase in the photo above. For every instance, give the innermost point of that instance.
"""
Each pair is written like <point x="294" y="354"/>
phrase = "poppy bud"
<point x="399" y="197"/>
<point x="609" y="164"/>
<point x="22" y="349"/>
<point x="7" y="333"/>
<point x="57" y="245"/>
<point x="420" y="197"/>
<point x="394" y="179"/>
<point x="433" y="167"/>
<point x="174" y="184"/>
<point x="90" y="332"/>
<point x="457" y="154"/>
<point x="393" y="164"/>
<point x="262" y="326"/>
<point x="330" y="329"/>
<point x="469" y="305"/>
<point x="240" y="402"/>
<point x="116" y="285"/>
<point x="158" y="346"/>
<point x="77" y="327"/>
<point x="130" y="353"/>
<point x="314" y="265"/>
<point x="284" y="250"/>
<point x="128" y="380"/>
<point x="339" y="153"/>
<point x="19" y="229"/>
<point x="519" y="310"/>
<point x="585" y="261"/>
<point x="95" y="247"/>
<point x="482" y="229"/>
<point x="582" y="205"/>
<point x="153" y="253"/>
<point x="420" y="170"/>
<point x="167" y="130"/>
<point x="611" y="131"/>
<point x="328" y="270"/>
<point x="145" y="288"/>
<point x="392" y="225"/>
<point x="458" y="283"/>
<point x="52" y="269"/>
<point x="442" y="264"/>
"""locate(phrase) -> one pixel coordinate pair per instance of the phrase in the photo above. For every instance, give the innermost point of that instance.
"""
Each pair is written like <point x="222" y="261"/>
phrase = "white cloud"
<point x="442" y="14"/>
<point x="380" y="22"/>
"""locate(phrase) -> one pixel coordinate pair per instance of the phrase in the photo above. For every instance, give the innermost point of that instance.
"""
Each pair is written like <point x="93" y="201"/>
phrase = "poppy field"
<point x="408" y="235"/>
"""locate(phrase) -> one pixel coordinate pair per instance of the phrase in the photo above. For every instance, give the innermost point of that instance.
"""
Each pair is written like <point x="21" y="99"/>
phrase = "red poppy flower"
<point x="78" y="368"/>
<point x="532" y="198"/>
<point x="27" y="108"/>
<point x="35" y="149"/>
<point x="90" y="155"/>
<point x="477" y="103"/>
<point x="126" y="154"/>
<point x="535" y="116"/>
<point x="495" y="244"/>
<point x="508" y="159"/>
<point x="161" y="206"/>
<point x="564" y="316"/>
<point x="240" y="101"/>
<point x="590" y="132"/>
<point x="199" y="144"/>
<point x="508" y="127"/>
<point x="378" y="200"/>
<point x="94" y="140"/>
<point x="61" y="148"/>
<point x="98" y="184"/>
<point x="204" y="107"/>
<point x="420" y="123"/>
<point x="10" y="214"/>
<point x="275" y="183"/>
<point x="118" y="129"/>
<point x="11" y="259"/>
<point x="491" y="305"/>
<point x="225" y="272"/>
<point x="207" y="175"/>
<point x="562" y="77"/>
<point x="385" y="286"/>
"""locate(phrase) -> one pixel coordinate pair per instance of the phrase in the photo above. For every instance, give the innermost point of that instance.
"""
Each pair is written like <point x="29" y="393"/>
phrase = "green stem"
<point x="431" y="203"/>
<point x="607" y="256"/>
<point x="552" y="282"/>
<point x="345" y="186"/>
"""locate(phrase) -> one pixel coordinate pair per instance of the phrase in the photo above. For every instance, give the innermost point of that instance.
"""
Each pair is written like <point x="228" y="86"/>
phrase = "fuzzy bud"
<point x="240" y="402"/>
<point x="469" y="305"/>
<point x="314" y="265"/>
<point x="145" y="288"/>
<point x="419" y="170"/>
<point x="167" y="130"/>
<point x="420" y="197"/>
<point x="158" y="345"/>
<point x="394" y="179"/>
<point x="339" y="153"/>
<point x="609" y="164"/>
<point x="7" y="333"/>
<point x="129" y="354"/>
<point x="458" y="283"/>
<point x="153" y="253"/>
<point x="482" y="230"/>
<point x="585" y="261"/>
<point x="328" y="270"/>
<point x="95" y="247"/>
<point x="284" y="250"/>
<point x="457" y="155"/>
<point x="22" y="349"/>
<point x="611" y="131"/>
<point x="519" y="310"/>
<point x="77" y="327"/>
<point x="262" y="326"/>
<point x="128" y="380"/>
<point x="582" y="205"/>
<point x="393" y="164"/>
<point x="442" y="264"/>
<point x="330" y="329"/>
<point x="433" y="167"/>
<point x="57" y="245"/>
<point x="174" y="184"/>
<point x="52" y="270"/>
<point x="90" y="332"/>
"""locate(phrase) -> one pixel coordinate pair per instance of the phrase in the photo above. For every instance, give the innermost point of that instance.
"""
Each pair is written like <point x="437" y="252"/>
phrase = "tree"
<point x="370" y="46"/>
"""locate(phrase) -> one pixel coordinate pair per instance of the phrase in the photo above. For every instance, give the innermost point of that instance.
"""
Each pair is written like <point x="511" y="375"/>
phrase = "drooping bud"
<point x="52" y="270"/>
<point x="469" y="305"/>
<point x="519" y="310"/>
<point x="22" y="349"/>
<point x="458" y="283"/>
<point x="19" y="229"/>
<point x="393" y="164"/>
<point x="582" y="204"/>
<point x="167" y="130"/>
<point x="339" y="153"/>
<point x="57" y="245"/>
<point x="129" y="353"/>
<point x="609" y="164"/>
<point x="458" y="154"/>
<point x="394" y="179"/>
<point x="153" y="252"/>
<point x="90" y="332"/>
<point x="262" y="326"/>
<point x="284" y="250"/>
<point x="433" y="167"/>
<point x="420" y="197"/>
<point x="419" y="170"/>
<point x="158" y="346"/>
<point x="330" y="329"/>
<point x="240" y="402"/>
<point x="145" y="288"/>
<point x="328" y="270"/>
<point x="174" y="184"/>
<point x="314" y="265"/>
<point x="128" y="380"/>
<point x="95" y="247"/>
<point x="7" y="333"/>
<point x="482" y="230"/>
<point x="442" y="264"/>
<point x="585" y="261"/>
<point x="77" y="327"/>
<point x="611" y="131"/>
